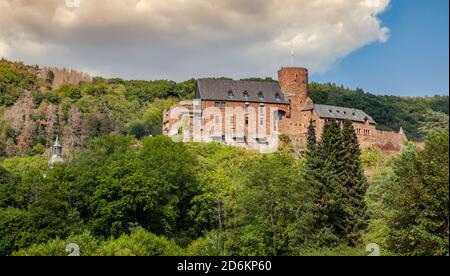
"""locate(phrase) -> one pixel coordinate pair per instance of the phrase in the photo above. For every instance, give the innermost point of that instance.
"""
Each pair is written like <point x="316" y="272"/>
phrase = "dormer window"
<point x="278" y="97"/>
<point x="260" y="96"/>
<point x="230" y="95"/>
<point x="246" y="96"/>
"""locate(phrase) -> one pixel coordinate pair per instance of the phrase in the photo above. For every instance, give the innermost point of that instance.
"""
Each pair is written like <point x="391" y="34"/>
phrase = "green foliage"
<point x="311" y="138"/>
<point x="32" y="205"/>
<point x="15" y="226"/>
<point x="267" y="214"/>
<point x="15" y="77"/>
<point x="29" y="181"/>
<point x="337" y="186"/>
<point x="434" y="121"/>
<point x="377" y="230"/>
<point x="138" y="243"/>
<point x="54" y="247"/>
<point x="335" y="251"/>
<point x="151" y="122"/>
<point x="351" y="177"/>
<point x="148" y="91"/>
<point x="39" y="149"/>
<point x="149" y="196"/>
<point x="205" y="246"/>
<point x="327" y="206"/>
<point x="419" y="200"/>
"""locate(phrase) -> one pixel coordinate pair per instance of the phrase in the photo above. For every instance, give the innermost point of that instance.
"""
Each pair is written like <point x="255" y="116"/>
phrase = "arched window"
<point x="260" y="96"/>
<point x="230" y="95"/>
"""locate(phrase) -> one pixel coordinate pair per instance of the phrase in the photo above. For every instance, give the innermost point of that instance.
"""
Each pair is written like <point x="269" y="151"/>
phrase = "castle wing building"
<point x="268" y="109"/>
<point x="240" y="91"/>
<point x="340" y="113"/>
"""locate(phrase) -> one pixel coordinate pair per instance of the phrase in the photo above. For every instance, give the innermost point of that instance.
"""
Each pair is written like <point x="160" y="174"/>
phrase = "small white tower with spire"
<point x="57" y="154"/>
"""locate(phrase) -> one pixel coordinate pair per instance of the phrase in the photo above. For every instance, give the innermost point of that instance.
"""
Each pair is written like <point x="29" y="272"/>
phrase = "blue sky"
<point x="413" y="62"/>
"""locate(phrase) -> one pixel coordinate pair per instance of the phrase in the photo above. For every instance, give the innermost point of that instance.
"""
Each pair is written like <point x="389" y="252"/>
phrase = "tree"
<point x="434" y="121"/>
<point x="311" y="138"/>
<point x="326" y="195"/>
<point x="50" y="78"/>
<point x="354" y="182"/>
<point x="29" y="180"/>
<point x="15" y="230"/>
<point x="419" y="199"/>
<point x="268" y="208"/>
<point x="174" y="167"/>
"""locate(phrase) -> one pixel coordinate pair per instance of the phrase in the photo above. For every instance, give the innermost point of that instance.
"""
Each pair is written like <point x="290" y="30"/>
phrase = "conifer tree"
<point x="319" y="178"/>
<point x="331" y="150"/>
<point x="331" y="142"/>
<point x="311" y="139"/>
<point x="354" y="183"/>
<point x="325" y="192"/>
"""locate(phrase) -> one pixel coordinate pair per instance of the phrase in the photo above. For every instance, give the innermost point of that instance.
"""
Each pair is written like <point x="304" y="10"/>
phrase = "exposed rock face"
<point x="64" y="76"/>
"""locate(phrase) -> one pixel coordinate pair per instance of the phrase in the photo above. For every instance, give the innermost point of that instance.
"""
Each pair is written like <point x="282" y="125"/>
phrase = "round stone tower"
<point x="294" y="85"/>
<point x="294" y="80"/>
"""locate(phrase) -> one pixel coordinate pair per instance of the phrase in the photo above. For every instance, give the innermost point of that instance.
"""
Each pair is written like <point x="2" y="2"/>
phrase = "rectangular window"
<point x="217" y="119"/>
<point x="232" y="120"/>
<point x="276" y="118"/>
<point x="261" y="116"/>
<point x="220" y="104"/>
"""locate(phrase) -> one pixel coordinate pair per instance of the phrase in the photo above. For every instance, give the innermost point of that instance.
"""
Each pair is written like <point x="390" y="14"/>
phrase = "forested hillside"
<point x="33" y="113"/>
<point x="122" y="192"/>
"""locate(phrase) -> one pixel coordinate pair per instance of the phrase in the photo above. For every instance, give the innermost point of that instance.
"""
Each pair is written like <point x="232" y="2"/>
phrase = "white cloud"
<point x="3" y="49"/>
<point x="188" y="38"/>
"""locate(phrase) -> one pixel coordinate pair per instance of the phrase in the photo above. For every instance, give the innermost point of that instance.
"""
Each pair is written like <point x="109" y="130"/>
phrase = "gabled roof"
<point x="219" y="90"/>
<point x="340" y="113"/>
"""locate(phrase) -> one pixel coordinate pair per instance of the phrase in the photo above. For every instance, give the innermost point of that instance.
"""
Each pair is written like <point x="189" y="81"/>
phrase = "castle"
<point x="251" y="114"/>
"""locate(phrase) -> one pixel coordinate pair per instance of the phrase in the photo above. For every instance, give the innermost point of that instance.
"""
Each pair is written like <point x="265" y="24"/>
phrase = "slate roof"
<point x="218" y="90"/>
<point x="340" y="113"/>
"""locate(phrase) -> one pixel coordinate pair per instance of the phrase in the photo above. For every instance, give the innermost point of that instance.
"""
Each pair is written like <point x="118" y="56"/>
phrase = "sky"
<point x="397" y="47"/>
<point x="413" y="62"/>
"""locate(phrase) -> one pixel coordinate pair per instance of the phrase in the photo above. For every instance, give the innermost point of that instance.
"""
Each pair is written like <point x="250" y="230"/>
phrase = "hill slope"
<point x="33" y="112"/>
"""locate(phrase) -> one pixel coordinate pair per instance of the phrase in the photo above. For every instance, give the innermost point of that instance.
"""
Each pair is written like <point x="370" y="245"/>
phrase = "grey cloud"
<point x="178" y="39"/>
